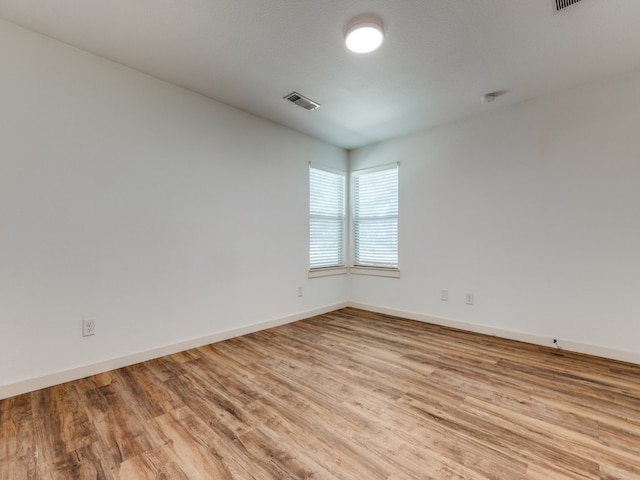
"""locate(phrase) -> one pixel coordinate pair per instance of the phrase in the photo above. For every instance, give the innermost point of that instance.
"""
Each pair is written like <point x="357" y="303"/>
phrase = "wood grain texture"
<point x="348" y="395"/>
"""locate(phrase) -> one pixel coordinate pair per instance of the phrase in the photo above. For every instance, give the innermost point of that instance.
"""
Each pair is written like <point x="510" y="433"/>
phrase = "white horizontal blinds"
<point x="327" y="218"/>
<point x="375" y="217"/>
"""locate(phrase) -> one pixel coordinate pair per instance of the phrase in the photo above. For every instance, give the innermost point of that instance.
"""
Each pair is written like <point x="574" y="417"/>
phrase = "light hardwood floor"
<point x="347" y="395"/>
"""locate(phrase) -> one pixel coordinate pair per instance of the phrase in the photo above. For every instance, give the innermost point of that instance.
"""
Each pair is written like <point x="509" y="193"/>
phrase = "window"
<point x="375" y="217"/>
<point x="326" y="218"/>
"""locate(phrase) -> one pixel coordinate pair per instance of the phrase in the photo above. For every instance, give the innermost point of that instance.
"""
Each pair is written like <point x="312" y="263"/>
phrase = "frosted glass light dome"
<point x="364" y="37"/>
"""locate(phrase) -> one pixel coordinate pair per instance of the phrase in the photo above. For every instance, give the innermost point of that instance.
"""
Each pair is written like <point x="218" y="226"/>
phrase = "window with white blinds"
<point x="326" y="218"/>
<point x="375" y="217"/>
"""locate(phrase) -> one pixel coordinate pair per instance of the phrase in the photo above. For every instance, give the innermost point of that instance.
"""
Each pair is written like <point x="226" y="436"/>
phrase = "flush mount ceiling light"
<point x="364" y="34"/>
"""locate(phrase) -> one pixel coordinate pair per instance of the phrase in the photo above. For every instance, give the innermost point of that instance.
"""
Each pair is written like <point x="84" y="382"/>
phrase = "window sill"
<point x="378" y="272"/>
<point x="326" y="272"/>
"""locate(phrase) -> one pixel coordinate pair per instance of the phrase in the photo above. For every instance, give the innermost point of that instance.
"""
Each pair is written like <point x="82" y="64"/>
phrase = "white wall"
<point x="169" y="217"/>
<point x="535" y="209"/>
<point x="162" y="214"/>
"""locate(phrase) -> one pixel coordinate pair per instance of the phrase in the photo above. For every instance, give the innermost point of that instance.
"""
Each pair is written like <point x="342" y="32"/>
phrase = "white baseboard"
<point x="598" y="351"/>
<point x="33" y="384"/>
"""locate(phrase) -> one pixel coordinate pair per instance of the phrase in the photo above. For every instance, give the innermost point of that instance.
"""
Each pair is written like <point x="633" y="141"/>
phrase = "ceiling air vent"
<point x="561" y="4"/>
<point x="304" y="102"/>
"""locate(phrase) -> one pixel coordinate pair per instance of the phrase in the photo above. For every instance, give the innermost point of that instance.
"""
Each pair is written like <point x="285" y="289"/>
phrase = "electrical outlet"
<point x="300" y="292"/>
<point x="468" y="298"/>
<point x="88" y="327"/>
<point x="444" y="295"/>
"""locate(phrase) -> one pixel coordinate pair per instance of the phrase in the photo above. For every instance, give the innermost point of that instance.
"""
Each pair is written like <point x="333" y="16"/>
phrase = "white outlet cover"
<point x="88" y="327"/>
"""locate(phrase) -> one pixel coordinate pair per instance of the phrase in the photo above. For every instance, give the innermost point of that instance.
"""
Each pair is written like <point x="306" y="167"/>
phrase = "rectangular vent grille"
<point x="560" y="4"/>
<point x="301" y="101"/>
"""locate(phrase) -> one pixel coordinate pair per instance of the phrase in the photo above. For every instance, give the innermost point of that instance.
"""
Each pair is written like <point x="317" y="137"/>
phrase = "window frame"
<point x="338" y="268"/>
<point x="364" y="268"/>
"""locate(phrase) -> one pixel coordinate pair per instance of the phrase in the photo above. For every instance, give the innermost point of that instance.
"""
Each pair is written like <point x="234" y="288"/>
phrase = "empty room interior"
<point x="237" y="243"/>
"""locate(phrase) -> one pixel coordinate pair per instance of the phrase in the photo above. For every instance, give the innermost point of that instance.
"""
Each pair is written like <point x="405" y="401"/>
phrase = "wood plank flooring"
<point x="348" y="395"/>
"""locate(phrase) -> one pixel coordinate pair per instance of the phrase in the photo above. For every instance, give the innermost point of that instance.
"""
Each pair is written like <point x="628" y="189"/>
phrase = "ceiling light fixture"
<point x="365" y="34"/>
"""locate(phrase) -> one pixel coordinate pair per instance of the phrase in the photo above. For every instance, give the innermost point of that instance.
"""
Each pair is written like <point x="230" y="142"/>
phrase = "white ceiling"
<point x="438" y="58"/>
